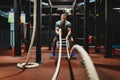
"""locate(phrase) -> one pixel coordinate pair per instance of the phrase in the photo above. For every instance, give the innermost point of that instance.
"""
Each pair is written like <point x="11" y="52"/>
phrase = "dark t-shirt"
<point x="64" y="27"/>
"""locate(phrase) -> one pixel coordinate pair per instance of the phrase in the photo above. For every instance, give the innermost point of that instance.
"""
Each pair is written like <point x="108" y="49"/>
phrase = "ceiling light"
<point x="116" y="8"/>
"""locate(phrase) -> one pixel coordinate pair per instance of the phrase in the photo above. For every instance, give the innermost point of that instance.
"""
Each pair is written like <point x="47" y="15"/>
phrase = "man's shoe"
<point x="52" y="54"/>
<point x="74" y="55"/>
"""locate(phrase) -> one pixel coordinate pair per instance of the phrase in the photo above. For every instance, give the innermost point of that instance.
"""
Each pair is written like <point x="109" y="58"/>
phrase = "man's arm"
<point x="57" y="30"/>
<point x="69" y="33"/>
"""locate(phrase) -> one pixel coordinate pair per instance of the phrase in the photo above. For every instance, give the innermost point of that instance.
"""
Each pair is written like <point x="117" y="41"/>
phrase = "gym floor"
<point x="107" y="68"/>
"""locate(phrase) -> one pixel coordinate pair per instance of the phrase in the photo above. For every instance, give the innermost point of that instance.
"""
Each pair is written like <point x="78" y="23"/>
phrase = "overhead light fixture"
<point x="116" y="8"/>
<point x="82" y="3"/>
<point x="43" y="3"/>
<point x="66" y="10"/>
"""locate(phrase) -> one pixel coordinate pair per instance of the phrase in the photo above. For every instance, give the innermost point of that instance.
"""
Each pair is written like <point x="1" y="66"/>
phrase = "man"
<point x="65" y="26"/>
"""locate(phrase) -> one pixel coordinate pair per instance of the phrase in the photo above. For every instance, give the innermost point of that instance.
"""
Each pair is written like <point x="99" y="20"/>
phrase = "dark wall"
<point x="4" y="33"/>
<point x="115" y="27"/>
<point x="115" y="22"/>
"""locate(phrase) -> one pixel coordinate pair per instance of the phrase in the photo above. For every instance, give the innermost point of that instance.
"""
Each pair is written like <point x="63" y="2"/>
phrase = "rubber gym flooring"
<point x="107" y="68"/>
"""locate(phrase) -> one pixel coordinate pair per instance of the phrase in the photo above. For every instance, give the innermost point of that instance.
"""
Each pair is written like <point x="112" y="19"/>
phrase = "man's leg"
<point x="54" y="43"/>
<point x="54" y="46"/>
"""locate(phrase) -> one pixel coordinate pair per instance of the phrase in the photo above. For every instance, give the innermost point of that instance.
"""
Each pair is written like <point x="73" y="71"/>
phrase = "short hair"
<point x="64" y="14"/>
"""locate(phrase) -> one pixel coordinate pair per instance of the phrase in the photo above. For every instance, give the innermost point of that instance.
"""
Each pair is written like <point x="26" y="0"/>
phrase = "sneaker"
<point x="52" y="54"/>
<point x="74" y="55"/>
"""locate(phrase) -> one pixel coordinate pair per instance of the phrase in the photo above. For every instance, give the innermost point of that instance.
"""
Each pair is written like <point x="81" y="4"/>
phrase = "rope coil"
<point x="28" y="64"/>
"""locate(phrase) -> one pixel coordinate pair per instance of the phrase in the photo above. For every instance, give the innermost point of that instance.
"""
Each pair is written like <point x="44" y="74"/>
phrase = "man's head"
<point x="63" y="17"/>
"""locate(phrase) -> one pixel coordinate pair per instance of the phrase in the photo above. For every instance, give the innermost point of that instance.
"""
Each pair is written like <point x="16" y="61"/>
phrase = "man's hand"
<point x="69" y="32"/>
<point x="57" y="30"/>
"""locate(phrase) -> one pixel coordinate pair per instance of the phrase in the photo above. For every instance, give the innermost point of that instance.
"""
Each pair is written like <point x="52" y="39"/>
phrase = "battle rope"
<point x="28" y="64"/>
<point x="67" y="44"/>
<point x="59" y="57"/>
<point x="91" y="71"/>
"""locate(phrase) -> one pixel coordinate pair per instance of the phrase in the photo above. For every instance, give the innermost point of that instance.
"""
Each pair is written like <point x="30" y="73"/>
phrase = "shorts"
<point x="57" y="36"/>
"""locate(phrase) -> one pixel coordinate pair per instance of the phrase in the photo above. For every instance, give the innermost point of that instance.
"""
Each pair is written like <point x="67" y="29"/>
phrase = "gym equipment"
<point x="91" y="71"/>
<point x="28" y="64"/>
<point x="64" y="43"/>
<point x="59" y="57"/>
<point x="115" y="47"/>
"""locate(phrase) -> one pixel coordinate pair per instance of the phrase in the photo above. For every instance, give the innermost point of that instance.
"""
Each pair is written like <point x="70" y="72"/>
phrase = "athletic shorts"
<point x="57" y="36"/>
